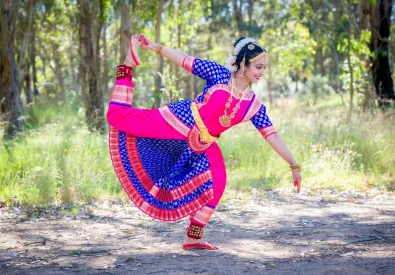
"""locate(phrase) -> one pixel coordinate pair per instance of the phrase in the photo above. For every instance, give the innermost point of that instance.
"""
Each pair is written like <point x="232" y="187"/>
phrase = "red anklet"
<point x="123" y="72"/>
<point x="195" y="231"/>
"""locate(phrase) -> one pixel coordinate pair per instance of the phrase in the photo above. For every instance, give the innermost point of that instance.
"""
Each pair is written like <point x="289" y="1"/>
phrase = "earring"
<point x="243" y="66"/>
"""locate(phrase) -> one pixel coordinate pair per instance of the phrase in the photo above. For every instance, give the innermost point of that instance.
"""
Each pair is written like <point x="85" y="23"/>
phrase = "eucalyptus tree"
<point x="375" y="16"/>
<point x="92" y="18"/>
<point x="11" y="109"/>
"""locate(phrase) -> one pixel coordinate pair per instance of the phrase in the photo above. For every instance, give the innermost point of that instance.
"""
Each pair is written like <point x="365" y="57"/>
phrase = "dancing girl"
<point x="167" y="159"/>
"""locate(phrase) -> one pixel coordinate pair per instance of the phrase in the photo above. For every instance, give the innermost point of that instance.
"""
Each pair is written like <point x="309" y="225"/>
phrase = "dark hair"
<point x="248" y="53"/>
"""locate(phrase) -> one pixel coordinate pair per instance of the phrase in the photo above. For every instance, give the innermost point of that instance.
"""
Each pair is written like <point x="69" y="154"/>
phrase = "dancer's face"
<point x="256" y="70"/>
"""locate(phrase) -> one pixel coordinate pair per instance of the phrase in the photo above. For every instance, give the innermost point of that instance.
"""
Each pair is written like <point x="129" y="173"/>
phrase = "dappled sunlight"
<point x="255" y="234"/>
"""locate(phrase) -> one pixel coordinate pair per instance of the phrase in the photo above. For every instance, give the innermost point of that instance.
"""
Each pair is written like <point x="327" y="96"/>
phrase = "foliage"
<point x="360" y="63"/>
<point x="293" y="47"/>
<point x="316" y="88"/>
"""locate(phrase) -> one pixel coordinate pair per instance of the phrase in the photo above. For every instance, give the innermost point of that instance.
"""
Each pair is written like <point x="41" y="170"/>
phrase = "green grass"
<point x="58" y="161"/>
<point x="334" y="152"/>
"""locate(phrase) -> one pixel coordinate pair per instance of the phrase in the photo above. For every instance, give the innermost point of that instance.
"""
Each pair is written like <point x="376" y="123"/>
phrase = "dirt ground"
<point x="271" y="233"/>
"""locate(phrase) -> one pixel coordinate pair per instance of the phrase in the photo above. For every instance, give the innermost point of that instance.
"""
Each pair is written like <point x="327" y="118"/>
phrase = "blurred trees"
<point x="11" y="109"/>
<point x="92" y="19"/>
<point x="380" y="26"/>
<point x="63" y="51"/>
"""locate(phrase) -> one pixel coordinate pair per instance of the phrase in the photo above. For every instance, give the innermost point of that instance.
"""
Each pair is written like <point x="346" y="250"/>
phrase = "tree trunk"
<point x="33" y="62"/>
<point x="296" y="77"/>
<point x="71" y="60"/>
<point x="28" y="86"/>
<point x="58" y="71"/>
<point x="124" y="30"/>
<point x="238" y="16"/>
<point x="106" y="74"/>
<point x="11" y="109"/>
<point x="350" y="110"/>
<point x="381" y="68"/>
<point x="24" y="49"/>
<point x="179" y="33"/>
<point x="250" y="12"/>
<point x="336" y="58"/>
<point x="160" y="61"/>
<point x="93" y="97"/>
<point x="98" y="94"/>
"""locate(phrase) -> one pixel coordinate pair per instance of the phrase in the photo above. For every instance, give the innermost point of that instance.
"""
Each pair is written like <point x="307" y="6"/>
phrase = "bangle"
<point x="159" y="49"/>
<point x="295" y="167"/>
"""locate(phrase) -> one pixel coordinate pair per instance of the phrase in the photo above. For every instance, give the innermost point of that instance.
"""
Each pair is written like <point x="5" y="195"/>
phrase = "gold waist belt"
<point x="204" y="134"/>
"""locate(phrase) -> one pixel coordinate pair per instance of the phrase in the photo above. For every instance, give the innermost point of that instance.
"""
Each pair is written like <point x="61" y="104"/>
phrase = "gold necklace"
<point x="226" y="119"/>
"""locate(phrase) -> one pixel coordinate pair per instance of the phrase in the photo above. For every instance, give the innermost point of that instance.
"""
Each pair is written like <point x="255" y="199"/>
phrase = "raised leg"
<point x="121" y="115"/>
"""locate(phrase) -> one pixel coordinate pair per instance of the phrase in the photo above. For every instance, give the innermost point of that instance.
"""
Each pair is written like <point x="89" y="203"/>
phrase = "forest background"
<point x="329" y="90"/>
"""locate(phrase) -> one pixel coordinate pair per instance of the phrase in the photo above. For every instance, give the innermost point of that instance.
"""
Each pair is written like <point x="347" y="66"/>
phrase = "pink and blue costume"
<point x="162" y="165"/>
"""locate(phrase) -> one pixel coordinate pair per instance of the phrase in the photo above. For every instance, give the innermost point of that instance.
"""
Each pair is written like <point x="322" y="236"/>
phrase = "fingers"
<point x="144" y="40"/>
<point x="297" y="183"/>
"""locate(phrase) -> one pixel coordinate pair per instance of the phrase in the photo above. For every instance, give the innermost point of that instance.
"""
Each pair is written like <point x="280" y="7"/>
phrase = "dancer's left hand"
<point x="297" y="180"/>
<point x="145" y="42"/>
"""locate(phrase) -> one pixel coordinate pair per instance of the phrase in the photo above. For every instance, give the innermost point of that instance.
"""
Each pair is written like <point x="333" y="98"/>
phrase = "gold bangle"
<point x="159" y="49"/>
<point x="295" y="166"/>
<point x="296" y="170"/>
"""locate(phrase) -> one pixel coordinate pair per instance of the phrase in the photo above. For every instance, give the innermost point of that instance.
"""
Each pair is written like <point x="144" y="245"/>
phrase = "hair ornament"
<point x="230" y="64"/>
<point x="259" y="56"/>
<point x="241" y="44"/>
<point x="251" y="47"/>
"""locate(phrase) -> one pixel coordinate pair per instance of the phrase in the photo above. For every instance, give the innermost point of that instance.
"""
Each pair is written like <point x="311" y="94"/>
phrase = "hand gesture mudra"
<point x="297" y="180"/>
<point x="145" y="42"/>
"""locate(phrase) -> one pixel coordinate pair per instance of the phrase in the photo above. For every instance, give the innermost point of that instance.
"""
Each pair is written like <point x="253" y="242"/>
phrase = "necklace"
<point x="225" y="119"/>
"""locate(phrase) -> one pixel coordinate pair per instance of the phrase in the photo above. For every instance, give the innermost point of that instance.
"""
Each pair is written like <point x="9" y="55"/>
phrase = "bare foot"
<point x="132" y="59"/>
<point x="205" y="245"/>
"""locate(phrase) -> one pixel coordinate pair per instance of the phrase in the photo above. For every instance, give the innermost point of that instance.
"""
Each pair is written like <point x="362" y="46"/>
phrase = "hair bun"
<point x="241" y="44"/>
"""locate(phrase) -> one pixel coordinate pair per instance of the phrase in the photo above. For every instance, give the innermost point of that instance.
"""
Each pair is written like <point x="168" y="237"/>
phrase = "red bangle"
<point x="123" y="72"/>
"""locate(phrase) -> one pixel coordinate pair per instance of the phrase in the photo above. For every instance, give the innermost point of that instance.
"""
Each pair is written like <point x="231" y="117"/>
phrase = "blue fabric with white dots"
<point x="261" y="119"/>
<point x="185" y="166"/>
<point x="170" y="163"/>
<point x="207" y="70"/>
<point x="212" y="72"/>
<point x="182" y="109"/>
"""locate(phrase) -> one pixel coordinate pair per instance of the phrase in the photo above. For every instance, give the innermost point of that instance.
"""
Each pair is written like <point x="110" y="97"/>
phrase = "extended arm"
<point x="262" y="122"/>
<point x="205" y="69"/>
<point x="278" y="144"/>
<point x="176" y="56"/>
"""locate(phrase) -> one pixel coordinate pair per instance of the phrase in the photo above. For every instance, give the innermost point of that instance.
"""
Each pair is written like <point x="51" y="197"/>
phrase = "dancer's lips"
<point x="258" y="77"/>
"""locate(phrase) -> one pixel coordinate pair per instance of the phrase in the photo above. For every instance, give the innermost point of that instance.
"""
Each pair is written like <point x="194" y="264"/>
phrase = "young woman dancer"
<point x="167" y="159"/>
